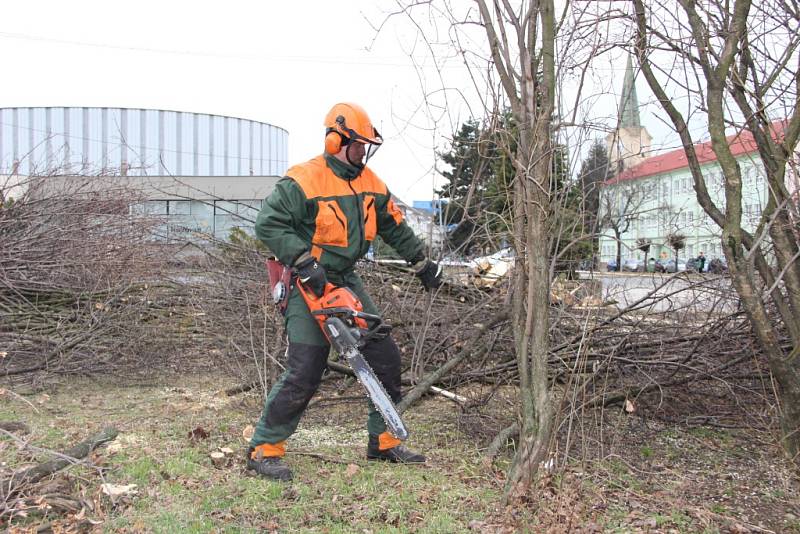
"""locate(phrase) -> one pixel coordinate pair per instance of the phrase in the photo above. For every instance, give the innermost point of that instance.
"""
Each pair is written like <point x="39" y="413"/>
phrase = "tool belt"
<point x="280" y="283"/>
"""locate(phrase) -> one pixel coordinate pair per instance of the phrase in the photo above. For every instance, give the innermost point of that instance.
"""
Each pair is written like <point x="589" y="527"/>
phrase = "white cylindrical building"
<point x="205" y="173"/>
<point x="137" y="142"/>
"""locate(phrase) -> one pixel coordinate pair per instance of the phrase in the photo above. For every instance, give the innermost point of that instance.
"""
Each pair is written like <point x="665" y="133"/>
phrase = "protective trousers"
<point x="307" y="360"/>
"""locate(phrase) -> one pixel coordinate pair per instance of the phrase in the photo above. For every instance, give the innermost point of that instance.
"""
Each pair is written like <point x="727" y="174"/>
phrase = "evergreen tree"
<point x="594" y="171"/>
<point x="476" y="194"/>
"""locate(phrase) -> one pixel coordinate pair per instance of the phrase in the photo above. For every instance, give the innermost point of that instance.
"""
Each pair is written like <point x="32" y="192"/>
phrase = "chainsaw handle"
<point x="310" y="295"/>
<point x="368" y="317"/>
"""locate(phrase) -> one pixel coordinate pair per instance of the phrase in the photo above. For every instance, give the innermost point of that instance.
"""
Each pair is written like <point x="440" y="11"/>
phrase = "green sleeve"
<point x="280" y="222"/>
<point x="399" y="236"/>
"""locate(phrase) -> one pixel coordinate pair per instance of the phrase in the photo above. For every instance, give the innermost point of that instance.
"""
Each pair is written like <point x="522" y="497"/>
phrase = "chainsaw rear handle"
<point x="376" y="328"/>
<point x="368" y="317"/>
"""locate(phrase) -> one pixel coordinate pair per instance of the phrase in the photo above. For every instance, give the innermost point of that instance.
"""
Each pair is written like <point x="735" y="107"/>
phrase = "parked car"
<point x="612" y="266"/>
<point x="693" y="264"/>
<point x="669" y="266"/>
<point x="718" y="266"/>
<point x="632" y="265"/>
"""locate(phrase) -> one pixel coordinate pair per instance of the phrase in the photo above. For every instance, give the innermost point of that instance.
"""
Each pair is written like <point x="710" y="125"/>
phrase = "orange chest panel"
<point x="317" y="180"/>
<point x="343" y="207"/>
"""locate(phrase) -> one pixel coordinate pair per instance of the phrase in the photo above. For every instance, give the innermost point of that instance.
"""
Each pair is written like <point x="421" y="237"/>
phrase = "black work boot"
<point x="269" y="467"/>
<point x="398" y="454"/>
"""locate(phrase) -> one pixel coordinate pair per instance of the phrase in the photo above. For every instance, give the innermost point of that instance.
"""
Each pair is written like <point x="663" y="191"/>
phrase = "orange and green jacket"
<point x="325" y="207"/>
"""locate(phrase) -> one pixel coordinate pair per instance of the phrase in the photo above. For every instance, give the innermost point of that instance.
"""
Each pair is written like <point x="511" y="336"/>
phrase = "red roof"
<point x="740" y="143"/>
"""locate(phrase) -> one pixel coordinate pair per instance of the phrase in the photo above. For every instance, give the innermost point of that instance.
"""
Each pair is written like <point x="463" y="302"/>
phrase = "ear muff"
<point x="334" y="138"/>
<point x="333" y="142"/>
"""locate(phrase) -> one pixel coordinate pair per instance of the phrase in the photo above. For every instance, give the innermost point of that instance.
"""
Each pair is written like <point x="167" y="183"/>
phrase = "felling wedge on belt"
<point x="341" y="317"/>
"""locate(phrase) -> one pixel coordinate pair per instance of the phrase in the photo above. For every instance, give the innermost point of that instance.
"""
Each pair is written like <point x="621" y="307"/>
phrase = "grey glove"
<point x="311" y="274"/>
<point x="429" y="273"/>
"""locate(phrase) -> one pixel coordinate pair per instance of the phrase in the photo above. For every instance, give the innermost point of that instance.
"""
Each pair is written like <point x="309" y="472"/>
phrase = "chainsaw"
<point x="348" y="328"/>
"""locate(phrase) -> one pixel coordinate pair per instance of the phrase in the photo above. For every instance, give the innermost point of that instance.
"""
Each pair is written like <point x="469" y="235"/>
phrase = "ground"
<point x="650" y="476"/>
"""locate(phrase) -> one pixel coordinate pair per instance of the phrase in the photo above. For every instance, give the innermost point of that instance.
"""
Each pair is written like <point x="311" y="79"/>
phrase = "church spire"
<point x="629" y="143"/>
<point x="629" y="103"/>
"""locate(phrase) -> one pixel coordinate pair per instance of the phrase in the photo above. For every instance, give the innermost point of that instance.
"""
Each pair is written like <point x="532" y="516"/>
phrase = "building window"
<point x="149" y="207"/>
<point x="179" y="207"/>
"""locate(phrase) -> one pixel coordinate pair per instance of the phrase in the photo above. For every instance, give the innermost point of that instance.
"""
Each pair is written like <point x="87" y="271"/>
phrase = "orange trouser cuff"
<point x="266" y="450"/>
<point x="387" y="441"/>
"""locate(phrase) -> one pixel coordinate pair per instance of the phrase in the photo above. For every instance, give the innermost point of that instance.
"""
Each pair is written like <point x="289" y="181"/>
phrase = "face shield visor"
<point x="360" y="149"/>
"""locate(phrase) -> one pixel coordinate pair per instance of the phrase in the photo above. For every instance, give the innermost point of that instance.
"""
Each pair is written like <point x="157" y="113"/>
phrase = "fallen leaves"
<point x="198" y="433"/>
<point x="351" y="470"/>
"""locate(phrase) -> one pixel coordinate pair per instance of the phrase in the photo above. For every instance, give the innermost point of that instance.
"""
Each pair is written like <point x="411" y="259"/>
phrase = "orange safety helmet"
<point x="346" y="123"/>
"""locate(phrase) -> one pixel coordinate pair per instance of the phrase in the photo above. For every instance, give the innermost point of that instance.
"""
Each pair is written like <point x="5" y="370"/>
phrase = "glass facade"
<point x="188" y="219"/>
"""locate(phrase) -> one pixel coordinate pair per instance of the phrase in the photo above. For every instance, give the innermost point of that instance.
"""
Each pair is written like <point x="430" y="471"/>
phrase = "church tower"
<point x="629" y="144"/>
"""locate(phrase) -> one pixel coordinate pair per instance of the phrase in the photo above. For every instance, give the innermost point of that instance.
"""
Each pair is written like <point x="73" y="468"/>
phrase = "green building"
<point x="656" y="198"/>
<point x="652" y="196"/>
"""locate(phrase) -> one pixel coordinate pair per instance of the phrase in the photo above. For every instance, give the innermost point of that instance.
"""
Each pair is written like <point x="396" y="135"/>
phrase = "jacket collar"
<point x="341" y="169"/>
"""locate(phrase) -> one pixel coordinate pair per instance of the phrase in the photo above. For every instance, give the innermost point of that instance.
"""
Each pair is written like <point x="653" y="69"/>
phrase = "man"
<point x="701" y="262"/>
<point x="320" y="219"/>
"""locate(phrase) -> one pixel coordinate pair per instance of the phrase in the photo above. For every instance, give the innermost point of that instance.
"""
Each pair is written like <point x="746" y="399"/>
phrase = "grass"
<point x="660" y="485"/>
<point x="179" y="490"/>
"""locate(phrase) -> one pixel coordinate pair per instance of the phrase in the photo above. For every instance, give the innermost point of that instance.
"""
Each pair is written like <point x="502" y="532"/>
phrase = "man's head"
<point x="701" y="254"/>
<point x="349" y="134"/>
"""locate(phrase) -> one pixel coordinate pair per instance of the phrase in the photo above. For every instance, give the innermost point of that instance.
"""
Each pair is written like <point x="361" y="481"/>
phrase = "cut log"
<point x="449" y="395"/>
<point x="34" y="474"/>
<point x="218" y="459"/>
<point x="14" y="426"/>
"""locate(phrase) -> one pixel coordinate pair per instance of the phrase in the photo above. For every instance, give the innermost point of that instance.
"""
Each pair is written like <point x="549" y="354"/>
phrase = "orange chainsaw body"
<point x="339" y="302"/>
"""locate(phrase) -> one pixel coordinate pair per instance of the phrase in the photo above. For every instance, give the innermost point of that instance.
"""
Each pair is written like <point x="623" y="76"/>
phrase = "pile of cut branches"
<point x="460" y="335"/>
<point x="77" y="269"/>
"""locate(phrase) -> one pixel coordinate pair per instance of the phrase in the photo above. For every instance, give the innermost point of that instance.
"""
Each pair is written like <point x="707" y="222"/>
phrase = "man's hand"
<point x="429" y="273"/>
<point x="311" y="274"/>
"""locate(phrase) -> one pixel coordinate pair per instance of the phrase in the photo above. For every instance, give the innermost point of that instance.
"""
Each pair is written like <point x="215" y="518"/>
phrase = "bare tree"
<point x="676" y="241"/>
<point x="644" y="245"/>
<point x="619" y="207"/>
<point x="522" y="45"/>
<point x="737" y="62"/>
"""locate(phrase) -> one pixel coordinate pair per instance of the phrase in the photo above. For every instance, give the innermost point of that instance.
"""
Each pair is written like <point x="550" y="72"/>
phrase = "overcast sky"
<point x="284" y="63"/>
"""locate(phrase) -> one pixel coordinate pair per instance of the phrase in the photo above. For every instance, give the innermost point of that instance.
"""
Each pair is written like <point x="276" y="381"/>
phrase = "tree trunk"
<point x="528" y="81"/>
